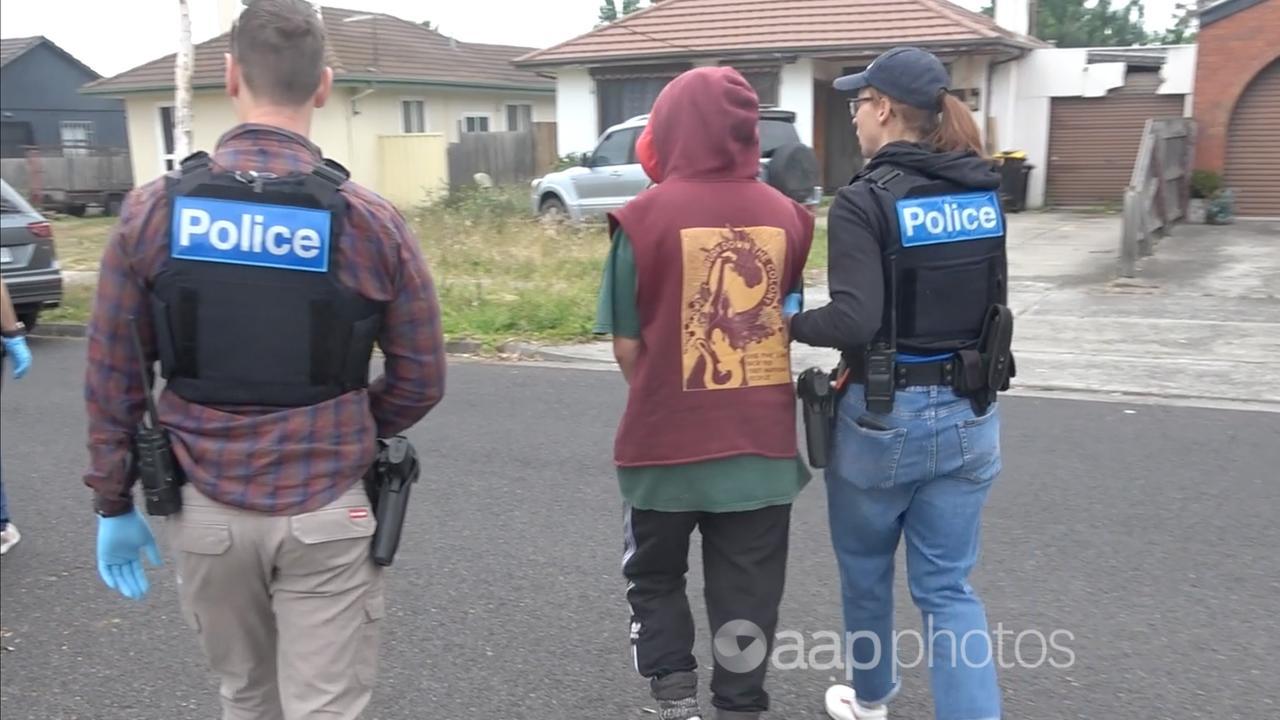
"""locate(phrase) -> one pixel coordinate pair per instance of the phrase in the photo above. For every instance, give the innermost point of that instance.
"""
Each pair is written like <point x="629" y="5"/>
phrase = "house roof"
<point x="363" y="47"/>
<point x="1224" y="9"/>
<point x="682" y="28"/>
<point x="13" y="48"/>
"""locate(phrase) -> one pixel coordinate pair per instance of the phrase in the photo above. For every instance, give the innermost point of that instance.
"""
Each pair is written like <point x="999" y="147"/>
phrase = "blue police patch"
<point x="245" y="233"/>
<point x="949" y="218"/>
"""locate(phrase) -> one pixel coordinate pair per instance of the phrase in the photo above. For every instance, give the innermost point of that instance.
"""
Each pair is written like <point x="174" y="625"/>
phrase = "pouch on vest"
<point x="248" y="309"/>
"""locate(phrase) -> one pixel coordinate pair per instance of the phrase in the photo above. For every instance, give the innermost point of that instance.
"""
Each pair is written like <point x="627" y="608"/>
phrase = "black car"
<point x="28" y="262"/>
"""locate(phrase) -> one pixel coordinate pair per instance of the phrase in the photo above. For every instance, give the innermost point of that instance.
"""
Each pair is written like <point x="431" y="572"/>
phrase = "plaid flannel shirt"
<point x="270" y="460"/>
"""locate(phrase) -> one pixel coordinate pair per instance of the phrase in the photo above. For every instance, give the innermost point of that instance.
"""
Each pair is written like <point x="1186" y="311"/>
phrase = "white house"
<point x="392" y="77"/>
<point x="791" y="51"/>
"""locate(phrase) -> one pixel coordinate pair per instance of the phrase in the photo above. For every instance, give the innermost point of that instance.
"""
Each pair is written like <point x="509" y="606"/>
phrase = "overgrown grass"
<point x="500" y="273"/>
<point x="79" y="241"/>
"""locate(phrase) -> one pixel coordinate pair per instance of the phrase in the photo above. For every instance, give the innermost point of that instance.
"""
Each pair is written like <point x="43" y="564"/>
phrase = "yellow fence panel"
<point x="413" y="169"/>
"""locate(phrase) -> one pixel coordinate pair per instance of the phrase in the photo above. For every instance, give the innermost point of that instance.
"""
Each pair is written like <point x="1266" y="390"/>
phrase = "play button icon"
<point x="740" y="646"/>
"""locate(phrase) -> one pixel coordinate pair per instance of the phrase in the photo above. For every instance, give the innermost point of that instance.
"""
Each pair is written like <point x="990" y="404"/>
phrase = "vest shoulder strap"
<point x="332" y="172"/>
<point x="893" y="181"/>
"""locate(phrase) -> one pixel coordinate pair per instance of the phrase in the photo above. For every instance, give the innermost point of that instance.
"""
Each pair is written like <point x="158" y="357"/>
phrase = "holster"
<point x="387" y="483"/>
<point x="817" y="397"/>
<point x="986" y="370"/>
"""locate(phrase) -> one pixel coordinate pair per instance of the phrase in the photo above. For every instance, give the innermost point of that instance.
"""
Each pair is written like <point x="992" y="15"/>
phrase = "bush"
<point x="1205" y="184"/>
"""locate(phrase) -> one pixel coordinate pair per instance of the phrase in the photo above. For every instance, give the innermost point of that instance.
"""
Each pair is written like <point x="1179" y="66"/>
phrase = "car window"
<point x="774" y="134"/>
<point x="616" y="149"/>
<point x="11" y="202"/>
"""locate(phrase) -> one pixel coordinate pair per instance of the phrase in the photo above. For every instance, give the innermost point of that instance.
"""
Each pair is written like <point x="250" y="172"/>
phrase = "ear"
<point x="231" y="76"/>
<point x="326" y="87"/>
<point x="884" y="109"/>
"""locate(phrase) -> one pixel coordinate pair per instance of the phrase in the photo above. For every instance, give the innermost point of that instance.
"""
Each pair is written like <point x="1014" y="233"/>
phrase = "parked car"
<point x="611" y="175"/>
<point x="28" y="261"/>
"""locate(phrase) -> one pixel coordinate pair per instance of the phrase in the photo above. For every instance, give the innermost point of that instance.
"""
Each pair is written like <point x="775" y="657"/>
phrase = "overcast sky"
<point x="112" y="37"/>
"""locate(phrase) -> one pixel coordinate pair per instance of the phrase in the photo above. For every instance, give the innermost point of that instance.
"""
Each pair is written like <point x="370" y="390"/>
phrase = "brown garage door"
<point x="1093" y="142"/>
<point x="1253" y="146"/>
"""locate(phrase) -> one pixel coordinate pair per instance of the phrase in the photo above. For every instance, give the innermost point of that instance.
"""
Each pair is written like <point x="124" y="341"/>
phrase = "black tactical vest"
<point x="248" y="309"/>
<point x="944" y="261"/>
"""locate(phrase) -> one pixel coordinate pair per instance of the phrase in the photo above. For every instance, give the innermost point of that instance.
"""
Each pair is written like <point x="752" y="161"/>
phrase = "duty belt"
<point x="938" y="372"/>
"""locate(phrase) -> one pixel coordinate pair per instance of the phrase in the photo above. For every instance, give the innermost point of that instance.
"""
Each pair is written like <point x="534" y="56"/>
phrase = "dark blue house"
<point x="40" y="102"/>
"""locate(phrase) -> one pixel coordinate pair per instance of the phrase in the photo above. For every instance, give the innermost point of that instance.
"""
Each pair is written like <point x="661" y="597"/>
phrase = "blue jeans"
<point x="926" y="477"/>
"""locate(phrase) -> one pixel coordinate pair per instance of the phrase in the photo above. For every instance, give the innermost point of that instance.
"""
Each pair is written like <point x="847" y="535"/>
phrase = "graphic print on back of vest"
<point x="949" y="218"/>
<point x="245" y="233"/>
<point x="732" y="320"/>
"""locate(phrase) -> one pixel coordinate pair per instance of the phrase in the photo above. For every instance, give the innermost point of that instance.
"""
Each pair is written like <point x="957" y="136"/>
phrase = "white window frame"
<point x="426" y="124"/>
<point x="506" y="113"/>
<point x="160" y="149"/>
<point x="82" y="147"/>
<point x="462" y="122"/>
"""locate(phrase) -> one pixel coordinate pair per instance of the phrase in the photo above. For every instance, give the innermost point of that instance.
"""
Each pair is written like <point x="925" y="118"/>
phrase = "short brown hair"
<point x="950" y="128"/>
<point x="279" y="45"/>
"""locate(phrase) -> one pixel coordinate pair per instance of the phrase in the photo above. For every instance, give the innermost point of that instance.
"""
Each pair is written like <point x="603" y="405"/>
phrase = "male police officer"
<point x="260" y="278"/>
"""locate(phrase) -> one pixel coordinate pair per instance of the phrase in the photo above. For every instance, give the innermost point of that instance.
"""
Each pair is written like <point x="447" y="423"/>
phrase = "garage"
<point x="1253" y="146"/>
<point x="1093" y="142"/>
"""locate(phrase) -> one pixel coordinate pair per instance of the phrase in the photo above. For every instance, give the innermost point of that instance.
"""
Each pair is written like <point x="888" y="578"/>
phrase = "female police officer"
<point x="917" y="282"/>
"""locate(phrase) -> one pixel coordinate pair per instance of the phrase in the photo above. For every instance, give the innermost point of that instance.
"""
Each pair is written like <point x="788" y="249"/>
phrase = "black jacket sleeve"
<point x="855" y="276"/>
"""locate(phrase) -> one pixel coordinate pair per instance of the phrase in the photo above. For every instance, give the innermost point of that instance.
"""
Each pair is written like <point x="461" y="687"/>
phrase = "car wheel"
<point x="793" y="171"/>
<point x="29" y="318"/>
<point x="76" y="209"/>
<point x="553" y="208"/>
<point x="114" y="204"/>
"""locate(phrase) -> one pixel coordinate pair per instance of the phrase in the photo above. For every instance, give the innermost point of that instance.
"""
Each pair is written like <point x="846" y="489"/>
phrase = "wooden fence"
<point x="1159" y="190"/>
<point x="55" y="172"/>
<point x="508" y="158"/>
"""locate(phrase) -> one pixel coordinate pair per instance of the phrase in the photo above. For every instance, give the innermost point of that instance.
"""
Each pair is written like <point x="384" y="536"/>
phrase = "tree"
<point x="609" y="10"/>
<point x="428" y="25"/>
<point x="182" y="84"/>
<point x="1073" y="23"/>
<point x="1181" y="31"/>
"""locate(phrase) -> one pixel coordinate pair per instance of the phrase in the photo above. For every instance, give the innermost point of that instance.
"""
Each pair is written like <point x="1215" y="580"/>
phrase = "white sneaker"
<point x="842" y="704"/>
<point x="9" y="537"/>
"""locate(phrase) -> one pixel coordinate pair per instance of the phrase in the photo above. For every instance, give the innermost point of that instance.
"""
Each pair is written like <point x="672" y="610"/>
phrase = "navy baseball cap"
<point x="907" y="74"/>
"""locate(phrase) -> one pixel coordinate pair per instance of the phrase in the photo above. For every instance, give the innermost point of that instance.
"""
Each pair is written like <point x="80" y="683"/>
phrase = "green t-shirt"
<point x="734" y="484"/>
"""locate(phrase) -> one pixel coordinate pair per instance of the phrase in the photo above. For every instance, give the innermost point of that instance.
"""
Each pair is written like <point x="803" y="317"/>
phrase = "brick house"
<point x="1237" y="101"/>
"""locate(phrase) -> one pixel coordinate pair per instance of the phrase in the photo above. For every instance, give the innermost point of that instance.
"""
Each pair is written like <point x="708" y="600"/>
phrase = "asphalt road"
<point x="1145" y="535"/>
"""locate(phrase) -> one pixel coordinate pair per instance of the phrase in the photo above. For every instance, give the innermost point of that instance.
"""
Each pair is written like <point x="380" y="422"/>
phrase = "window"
<point x="168" y="148"/>
<point x="15" y="136"/>
<point x="474" y="123"/>
<point x="617" y="148"/>
<point x="76" y="135"/>
<point x="519" y="117"/>
<point x="413" y="116"/>
<point x="764" y="80"/>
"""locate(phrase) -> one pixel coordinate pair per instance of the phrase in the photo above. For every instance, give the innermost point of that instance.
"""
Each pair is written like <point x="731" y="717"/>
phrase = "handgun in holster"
<point x="986" y="370"/>
<point x="394" y="471"/>
<point x="817" y="397"/>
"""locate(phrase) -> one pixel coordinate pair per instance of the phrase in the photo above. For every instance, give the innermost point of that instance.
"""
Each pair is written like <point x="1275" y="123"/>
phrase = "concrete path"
<point x="1200" y="325"/>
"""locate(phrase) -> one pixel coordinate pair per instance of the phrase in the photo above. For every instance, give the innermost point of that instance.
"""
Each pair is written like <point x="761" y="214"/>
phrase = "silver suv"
<point x="28" y="261"/>
<point x="611" y="175"/>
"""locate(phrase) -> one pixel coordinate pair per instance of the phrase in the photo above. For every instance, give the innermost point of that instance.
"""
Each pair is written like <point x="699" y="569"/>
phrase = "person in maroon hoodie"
<point x="693" y="295"/>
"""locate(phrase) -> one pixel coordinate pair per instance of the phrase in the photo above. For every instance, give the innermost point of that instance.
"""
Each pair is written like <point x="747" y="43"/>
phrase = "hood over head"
<point x="703" y="126"/>
<point x="967" y="169"/>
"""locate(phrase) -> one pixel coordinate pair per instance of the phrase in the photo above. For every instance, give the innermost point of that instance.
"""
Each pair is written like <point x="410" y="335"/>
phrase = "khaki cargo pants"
<point x="287" y="608"/>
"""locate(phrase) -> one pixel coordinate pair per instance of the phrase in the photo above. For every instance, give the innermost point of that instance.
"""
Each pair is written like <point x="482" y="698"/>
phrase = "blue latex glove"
<point x="792" y="304"/>
<point x="121" y="543"/>
<point x="17" y="349"/>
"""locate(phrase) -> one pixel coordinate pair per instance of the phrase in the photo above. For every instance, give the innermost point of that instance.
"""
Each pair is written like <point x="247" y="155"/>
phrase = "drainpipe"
<point x="356" y="98"/>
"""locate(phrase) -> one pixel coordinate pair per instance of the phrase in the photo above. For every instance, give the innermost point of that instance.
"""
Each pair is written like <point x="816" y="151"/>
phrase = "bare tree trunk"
<point x="182" y="82"/>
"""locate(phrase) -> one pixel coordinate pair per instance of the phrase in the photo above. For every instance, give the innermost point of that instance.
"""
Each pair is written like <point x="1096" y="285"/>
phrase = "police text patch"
<point x="949" y="218"/>
<point x="245" y="233"/>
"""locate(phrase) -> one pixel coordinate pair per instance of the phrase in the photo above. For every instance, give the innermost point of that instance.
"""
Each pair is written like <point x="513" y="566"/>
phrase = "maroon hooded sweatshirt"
<point x="716" y="250"/>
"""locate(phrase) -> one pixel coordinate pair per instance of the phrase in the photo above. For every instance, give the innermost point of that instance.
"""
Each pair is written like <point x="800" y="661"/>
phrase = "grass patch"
<point x="77" y="300"/>
<point x="500" y="274"/>
<point x="79" y="241"/>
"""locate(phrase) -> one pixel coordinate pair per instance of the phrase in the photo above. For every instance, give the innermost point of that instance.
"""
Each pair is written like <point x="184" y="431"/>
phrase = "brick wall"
<point x="1232" y="51"/>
